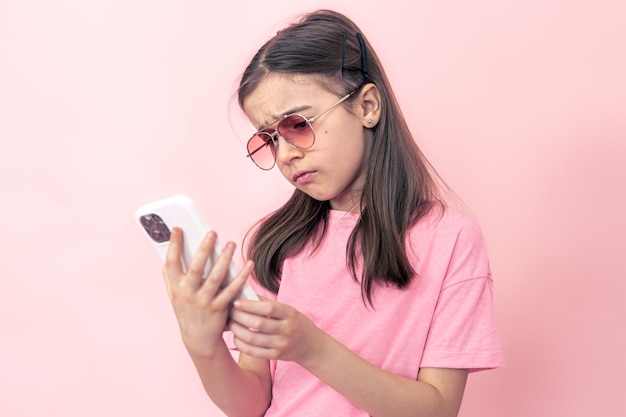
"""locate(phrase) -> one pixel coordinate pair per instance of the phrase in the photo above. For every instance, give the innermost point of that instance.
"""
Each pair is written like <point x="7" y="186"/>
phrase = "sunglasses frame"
<point x="275" y="136"/>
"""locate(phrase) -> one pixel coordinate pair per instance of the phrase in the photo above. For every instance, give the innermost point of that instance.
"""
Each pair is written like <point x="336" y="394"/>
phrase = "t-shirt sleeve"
<point x="463" y="331"/>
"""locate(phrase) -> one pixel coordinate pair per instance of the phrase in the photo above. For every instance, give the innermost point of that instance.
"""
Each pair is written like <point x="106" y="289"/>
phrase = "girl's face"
<point x="333" y="169"/>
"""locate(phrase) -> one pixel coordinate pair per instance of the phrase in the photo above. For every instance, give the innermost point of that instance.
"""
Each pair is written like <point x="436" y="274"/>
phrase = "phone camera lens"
<point x="157" y="236"/>
<point x="160" y="232"/>
<point x="155" y="227"/>
<point x="147" y="221"/>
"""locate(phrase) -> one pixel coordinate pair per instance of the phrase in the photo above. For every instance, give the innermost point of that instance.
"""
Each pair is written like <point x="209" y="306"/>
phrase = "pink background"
<point x="105" y="105"/>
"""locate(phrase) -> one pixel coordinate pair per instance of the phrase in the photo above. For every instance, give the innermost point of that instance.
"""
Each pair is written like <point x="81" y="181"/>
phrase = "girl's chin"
<point x="316" y="195"/>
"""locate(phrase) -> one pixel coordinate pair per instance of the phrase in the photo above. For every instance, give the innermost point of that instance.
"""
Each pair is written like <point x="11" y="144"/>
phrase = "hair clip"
<point x="363" y="55"/>
<point x="364" y="67"/>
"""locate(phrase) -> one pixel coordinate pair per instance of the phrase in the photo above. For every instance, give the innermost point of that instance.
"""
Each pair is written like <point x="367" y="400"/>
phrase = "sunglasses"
<point x="294" y="129"/>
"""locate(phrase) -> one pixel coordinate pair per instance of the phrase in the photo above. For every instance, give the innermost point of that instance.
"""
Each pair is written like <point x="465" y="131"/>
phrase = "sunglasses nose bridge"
<point x="298" y="134"/>
<point x="274" y="137"/>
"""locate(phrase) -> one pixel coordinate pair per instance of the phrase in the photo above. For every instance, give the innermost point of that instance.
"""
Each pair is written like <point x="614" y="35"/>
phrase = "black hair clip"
<point x="364" y="68"/>
<point x="363" y="55"/>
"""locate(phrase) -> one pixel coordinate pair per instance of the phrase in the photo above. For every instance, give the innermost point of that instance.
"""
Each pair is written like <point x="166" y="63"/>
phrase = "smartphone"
<point x="157" y="219"/>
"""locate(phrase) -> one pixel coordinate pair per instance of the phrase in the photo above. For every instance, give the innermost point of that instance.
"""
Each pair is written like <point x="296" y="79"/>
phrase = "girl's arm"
<point x="237" y="389"/>
<point x="437" y="392"/>
<point x="201" y="309"/>
<point x="281" y="332"/>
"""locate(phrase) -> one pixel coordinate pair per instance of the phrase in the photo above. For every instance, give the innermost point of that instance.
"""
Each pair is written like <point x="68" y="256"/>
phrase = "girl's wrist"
<point x="317" y="351"/>
<point x="208" y="352"/>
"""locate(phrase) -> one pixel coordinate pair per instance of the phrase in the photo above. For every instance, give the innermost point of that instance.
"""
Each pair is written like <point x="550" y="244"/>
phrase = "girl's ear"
<point x="369" y="109"/>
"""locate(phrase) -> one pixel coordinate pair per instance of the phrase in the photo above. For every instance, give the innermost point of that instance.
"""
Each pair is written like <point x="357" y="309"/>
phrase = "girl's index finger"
<point x="173" y="263"/>
<point x="265" y="307"/>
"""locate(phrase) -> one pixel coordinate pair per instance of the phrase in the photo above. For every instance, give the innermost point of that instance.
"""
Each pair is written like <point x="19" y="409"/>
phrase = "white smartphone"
<point x="156" y="219"/>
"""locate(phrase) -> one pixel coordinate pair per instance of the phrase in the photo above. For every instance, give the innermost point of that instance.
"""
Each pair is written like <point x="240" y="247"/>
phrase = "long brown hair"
<point x="400" y="185"/>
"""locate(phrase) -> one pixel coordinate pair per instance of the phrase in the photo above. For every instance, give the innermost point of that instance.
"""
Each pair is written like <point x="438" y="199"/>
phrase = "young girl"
<point x="376" y="295"/>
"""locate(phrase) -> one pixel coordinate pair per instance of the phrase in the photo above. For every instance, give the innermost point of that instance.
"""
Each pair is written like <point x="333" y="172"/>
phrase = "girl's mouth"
<point x="302" y="177"/>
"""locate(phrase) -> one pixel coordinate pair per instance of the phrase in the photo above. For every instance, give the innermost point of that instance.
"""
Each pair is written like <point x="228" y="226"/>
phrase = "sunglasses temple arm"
<point x="344" y="98"/>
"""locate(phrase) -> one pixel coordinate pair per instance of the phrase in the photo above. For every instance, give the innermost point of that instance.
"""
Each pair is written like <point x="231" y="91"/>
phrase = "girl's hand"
<point x="271" y="330"/>
<point x="200" y="306"/>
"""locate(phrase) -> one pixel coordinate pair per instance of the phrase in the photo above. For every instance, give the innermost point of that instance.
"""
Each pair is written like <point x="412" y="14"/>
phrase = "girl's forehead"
<point x="277" y="94"/>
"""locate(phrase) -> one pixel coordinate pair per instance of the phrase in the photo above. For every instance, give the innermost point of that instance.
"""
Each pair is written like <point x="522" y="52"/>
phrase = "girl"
<point x="376" y="295"/>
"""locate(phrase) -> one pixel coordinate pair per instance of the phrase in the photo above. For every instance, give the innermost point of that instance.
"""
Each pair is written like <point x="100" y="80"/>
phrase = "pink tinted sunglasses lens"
<point x="297" y="131"/>
<point x="294" y="129"/>
<point x="262" y="151"/>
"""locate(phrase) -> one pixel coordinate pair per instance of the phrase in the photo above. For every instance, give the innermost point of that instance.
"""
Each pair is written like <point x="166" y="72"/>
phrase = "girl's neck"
<point x="349" y="202"/>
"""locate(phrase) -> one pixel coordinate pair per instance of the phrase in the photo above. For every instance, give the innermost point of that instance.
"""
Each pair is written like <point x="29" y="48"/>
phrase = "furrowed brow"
<point x="286" y="113"/>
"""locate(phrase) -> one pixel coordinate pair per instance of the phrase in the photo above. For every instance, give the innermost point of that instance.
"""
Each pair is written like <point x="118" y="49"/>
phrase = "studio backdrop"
<point x="105" y="105"/>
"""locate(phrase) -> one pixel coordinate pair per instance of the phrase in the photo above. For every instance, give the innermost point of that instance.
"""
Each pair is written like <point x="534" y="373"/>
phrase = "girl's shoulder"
<point x="446" y="218"/>
<point x="447" y="226"/>
<point x="449" y="239"/>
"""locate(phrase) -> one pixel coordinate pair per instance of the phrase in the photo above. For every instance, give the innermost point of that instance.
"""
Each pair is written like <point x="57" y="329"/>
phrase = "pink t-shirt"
<point x="443" y="319"/>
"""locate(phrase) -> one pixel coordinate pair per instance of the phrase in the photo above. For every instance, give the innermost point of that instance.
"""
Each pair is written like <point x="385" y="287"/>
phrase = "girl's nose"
<point x="286" y="153"/>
